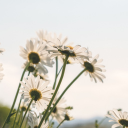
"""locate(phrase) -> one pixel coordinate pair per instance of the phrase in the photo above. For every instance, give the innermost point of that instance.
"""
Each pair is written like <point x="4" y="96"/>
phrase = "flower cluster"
<point x="39" y="101"/>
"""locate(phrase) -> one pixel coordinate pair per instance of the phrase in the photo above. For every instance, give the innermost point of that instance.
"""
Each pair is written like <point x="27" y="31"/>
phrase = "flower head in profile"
<point x="36" y="88"/>
<point x="1" y="74"/>
<point x="44" y="36"/>
<point x="68" y="117"/>
<point x="74" y="52"/>
<point x="42" y="76"/>
<point x="39" y="68"/>
<point x="60" y="110"/>
<point x="23" y="106"/>
<point x="35" y="53"/>
<point x="120" y="118"/>
<point x="94" y="68"/>
<point x="34" y="120"/>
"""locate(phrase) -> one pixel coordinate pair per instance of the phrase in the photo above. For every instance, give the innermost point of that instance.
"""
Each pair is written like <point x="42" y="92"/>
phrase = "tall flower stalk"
<point x="56" y="73"/>
<point x="57" y="88"/>
<point x="65" y="92"/>
<point x="8" y="117"/>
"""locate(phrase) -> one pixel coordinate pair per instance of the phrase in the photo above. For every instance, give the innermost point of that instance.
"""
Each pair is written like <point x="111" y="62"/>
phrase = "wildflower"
<point x="120" y="118"/>
<point x="37" y="89"/>
<point x="42" y="76"/>
<point x="33" y="121"/>
<point x="67" y="117"/>
<point x="60" y="110"/>
<point x="35" y="68"/>
<point x="36" y="53"/>
<point x="75" y="53"/>
<point x="94" y="68"/>
<point x="23" y="106"/>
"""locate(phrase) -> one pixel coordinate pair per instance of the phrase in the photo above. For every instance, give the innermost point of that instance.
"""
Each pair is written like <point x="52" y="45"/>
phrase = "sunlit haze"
<point x="100" y="25"/>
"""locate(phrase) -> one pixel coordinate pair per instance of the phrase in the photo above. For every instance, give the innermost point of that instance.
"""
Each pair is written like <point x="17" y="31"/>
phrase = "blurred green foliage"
<point x="4" y="110"/>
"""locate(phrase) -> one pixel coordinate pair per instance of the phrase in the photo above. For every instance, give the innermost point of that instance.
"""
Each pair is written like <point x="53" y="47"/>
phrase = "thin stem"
<point x="57" y="88"/>
<point x="26" y="112"/>
<point x="17" y="113"/>
<point x="28" y="73"/>
<point x="59" y="71"/>
<point x="21" y="113"/>
<point x="102" y="120"/>
<point x="26" y="122"/>
<point x="123" y="126"/>
<point x="60" y="123"/>
<point x="16" y="95"/>
<point x="65" y="92"/>
<point x="56" y="73"/>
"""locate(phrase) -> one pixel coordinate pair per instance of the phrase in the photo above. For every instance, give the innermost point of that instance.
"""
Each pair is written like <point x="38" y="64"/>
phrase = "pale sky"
<point x="100" y="25"/>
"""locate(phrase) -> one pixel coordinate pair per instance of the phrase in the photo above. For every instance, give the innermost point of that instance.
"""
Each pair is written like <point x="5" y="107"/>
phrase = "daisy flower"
<point x="33" y="121"/>
<point x="120" y="118"/>
<point x="1" y="74"/>
<point x="44" y="36"/>
<point x="67" y="117"/>
<point x="35" y="68"/>
<point x="94" y="68"/>
<point x="42" y="76"/>
<point x="31" y="67"/>
<point x="23" y="106"/>
<point x="60" y="110"/>
<point x="51" y="39"/>
<point x="75" y="52"/>
<point x="36" y="53"/>
<point x="37" y="88"/>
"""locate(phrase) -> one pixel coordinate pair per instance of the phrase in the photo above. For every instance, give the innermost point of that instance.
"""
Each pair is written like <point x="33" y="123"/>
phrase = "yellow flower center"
<point x="36" y="94"/>
<point x="70" y="47"/>
<point x="34" y="57"/>
<point x="123" y="122"/>
<point x="89" y="66"/>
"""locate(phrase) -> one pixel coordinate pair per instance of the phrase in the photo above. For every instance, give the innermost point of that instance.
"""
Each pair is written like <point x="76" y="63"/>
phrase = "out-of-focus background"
<point x="100" y="25"/>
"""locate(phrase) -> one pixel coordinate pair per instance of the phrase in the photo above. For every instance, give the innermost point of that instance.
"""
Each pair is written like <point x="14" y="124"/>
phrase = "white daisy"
<point x="94" y="68"/>
<point x="36" y="53"/>
<point x="68" y="117"/>
<point x="60" y="110"/>
<point x="44" y="36"/>
<point x="37" y="88"/>
<point x="51" y="39"/>
<point x="1" y="74"/>
<point x="42" y="76"/>
<point x="31" y="67"/>
<point x="33" y="121"/>
<point x="75" y="53"/>
<point x="23" y="106"/>
<point x="35" y="68"/>
<point x="120" y="118"/>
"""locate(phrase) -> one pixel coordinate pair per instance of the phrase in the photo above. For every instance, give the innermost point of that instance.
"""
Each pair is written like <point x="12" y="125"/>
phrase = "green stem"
<point x="26" y="122"/>
<point x="56" y="73"/>
<point x="123" y="126"/>
<point x="28" y="73"/>
<point x="65" y="92"/>
<point x="60" y="123"/>
<point x="20" y="117"/>
<point x="102" y="120"/>
<point x="26" y="112"/>
<point x="57" y="88"/>
<point x="59" y="71"/>
<point x="16" y="95"/>
<point x="17" y="113"/>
